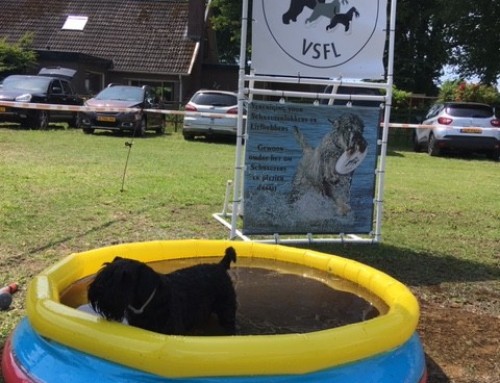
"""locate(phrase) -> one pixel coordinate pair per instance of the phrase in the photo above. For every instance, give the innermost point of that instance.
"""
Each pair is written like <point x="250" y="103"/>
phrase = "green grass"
<point x="61" y="192"/>
<point x="441" y="220"/>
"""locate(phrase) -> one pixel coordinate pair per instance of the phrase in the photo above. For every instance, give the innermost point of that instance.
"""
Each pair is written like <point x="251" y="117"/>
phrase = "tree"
<point x="420" y="46"/>
<point x="226" y="21"/>
<point x="426" y="32"/>
<point x="17" y="57"/>
<point x="420" y="53"/>
<point x="473" y="29"/>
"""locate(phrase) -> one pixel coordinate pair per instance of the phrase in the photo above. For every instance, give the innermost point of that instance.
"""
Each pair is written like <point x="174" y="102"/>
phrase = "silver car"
<point x="214" y="104"/>
<point x="459" y="126"/>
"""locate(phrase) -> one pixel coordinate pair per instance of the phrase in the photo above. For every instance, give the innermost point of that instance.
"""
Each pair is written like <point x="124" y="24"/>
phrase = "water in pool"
<point x="277" y="297"/>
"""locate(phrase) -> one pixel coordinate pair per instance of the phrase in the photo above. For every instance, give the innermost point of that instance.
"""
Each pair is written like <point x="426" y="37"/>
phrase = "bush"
<point x="400" y="98"/>
<point x="460" y="90"/>
<point x="17" y="57"/>
<point x="408" y="108"/>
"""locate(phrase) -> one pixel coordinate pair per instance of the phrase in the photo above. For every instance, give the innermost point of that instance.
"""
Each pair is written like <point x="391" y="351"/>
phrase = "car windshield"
<point x="121" y="93"/>
<point x="26" y="84"/>
<point x="215" y="99"/>
<point x="478" y="111"/>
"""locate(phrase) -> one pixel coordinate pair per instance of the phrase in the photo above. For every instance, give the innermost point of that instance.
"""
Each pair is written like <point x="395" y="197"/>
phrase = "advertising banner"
<point x="319" y="38"/>
<point x="309" y="168"/>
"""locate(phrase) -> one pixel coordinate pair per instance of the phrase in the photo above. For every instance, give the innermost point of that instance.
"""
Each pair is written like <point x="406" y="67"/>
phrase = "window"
<point x="465" y="110"/>
<point x="66" y="88"/>
<point x="94" y="82"/>
<point x="55" y="87"/>
<point x="75" y="23"/>
<point x="164" y="90"/>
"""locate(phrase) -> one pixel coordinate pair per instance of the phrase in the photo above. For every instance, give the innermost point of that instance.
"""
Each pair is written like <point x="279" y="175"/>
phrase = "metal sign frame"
<point x="247" y="90"/>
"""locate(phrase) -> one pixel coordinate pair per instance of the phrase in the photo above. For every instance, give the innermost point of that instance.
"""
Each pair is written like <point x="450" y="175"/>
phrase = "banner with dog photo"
<point x="309" y="168"/>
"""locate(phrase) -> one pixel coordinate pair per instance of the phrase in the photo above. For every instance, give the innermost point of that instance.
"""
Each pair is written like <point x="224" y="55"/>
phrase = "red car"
<point x="142" y="117"/>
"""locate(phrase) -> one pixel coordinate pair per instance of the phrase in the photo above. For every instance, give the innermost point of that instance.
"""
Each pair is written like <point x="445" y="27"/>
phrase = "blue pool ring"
<point x="43" y="360"/>
<point x="56" y="339"/>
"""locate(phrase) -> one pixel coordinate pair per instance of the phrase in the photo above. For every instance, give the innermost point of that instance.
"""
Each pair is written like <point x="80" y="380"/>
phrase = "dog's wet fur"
<point x="177" y="303"/>
<point x="316" y="169"/>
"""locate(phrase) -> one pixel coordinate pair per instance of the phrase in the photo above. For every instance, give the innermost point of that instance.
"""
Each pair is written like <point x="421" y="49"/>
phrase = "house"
<point x="164" y="43"/>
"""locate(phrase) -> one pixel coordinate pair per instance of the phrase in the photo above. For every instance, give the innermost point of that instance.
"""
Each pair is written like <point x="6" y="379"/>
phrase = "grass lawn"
<point x="63" y="191"/>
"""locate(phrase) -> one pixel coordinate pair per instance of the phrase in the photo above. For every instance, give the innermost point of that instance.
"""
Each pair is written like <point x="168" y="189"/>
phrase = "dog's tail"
<point x="304" y="145"/>
<point x="228" y="258"/>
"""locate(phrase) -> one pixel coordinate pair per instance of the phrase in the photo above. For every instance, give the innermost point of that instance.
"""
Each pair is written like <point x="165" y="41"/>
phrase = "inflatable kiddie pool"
<point x="58" y="343"/>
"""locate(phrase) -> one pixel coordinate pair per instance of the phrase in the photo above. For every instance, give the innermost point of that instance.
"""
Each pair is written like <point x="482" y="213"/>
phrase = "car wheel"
<point x="41" y="120"/>
<point x="416" y="145"/>
<point x="141" y="130"/>
<point x="161" y="129"/>
<point x="432" y="147"/>
<point x="25" y="123"/>
<point x="75" y="121"/>
<point x="188" y="137"/>
<point x="88" y="130"/>
<point x="494" y="154"/>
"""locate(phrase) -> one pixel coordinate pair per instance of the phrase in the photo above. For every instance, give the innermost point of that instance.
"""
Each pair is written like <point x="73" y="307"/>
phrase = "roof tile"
<point x="147" y="36"/>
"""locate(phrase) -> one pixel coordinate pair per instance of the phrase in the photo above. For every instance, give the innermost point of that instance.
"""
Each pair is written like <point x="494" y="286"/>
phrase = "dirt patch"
<point x="461" y="337"/>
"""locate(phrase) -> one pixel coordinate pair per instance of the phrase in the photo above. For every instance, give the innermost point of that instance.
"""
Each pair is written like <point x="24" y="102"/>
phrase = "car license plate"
<point x="2" y="109"/>
<point x="106" y="119"/>
<point x="471" y="130"/>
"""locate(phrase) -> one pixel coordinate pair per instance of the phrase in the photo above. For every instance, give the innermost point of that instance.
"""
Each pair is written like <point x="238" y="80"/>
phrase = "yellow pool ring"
<point x="188" y="356"/>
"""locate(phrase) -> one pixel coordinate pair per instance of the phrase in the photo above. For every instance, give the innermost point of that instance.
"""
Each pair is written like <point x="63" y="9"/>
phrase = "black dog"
<point x="175" y="303"/>
<point x="344" y="19"/>
<point x="296" y="7"/>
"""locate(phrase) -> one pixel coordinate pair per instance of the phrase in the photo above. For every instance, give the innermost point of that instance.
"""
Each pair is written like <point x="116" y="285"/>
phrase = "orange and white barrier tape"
<point x="77" y="108"/>
<point x="409" y="126"/>
<point x="422" y="126"/>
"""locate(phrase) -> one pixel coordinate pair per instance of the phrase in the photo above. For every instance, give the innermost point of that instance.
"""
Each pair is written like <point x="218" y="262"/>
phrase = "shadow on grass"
<point x="412" y="268"/>
<point x="125" y="134"/>
<point x="64" y="240"/>
<point x="223" y="140"/>
<point x="435" y="373"/>
<point x="52" y="126"/>
<point x="401" y="149"/>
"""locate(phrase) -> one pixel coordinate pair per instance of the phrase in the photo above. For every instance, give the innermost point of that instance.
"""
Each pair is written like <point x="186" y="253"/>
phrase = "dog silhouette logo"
<point x="320" y="33"/>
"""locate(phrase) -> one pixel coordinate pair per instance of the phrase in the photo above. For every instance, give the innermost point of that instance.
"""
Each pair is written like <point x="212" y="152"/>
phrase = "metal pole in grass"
<point x="385" y="131"/>
<point x="238" y="171"/>
<point x="129" y="145"/>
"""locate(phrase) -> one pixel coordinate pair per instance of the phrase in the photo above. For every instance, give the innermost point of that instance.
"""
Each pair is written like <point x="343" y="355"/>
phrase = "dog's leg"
<point x="225" y="309"/>
<point x="304" y="145"/>
<point x="333" y="23"/>
<point x="340" y="193"/>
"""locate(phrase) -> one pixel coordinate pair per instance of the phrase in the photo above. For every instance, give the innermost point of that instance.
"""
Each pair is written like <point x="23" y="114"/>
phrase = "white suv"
<point x="461" y="126"/>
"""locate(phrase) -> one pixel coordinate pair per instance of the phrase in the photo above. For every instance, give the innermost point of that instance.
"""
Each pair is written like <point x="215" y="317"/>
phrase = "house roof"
<point x="146" y="36"/>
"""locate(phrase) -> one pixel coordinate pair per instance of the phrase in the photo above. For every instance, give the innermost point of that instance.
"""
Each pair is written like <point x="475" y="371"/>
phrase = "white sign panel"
<point x="319" y="38"/>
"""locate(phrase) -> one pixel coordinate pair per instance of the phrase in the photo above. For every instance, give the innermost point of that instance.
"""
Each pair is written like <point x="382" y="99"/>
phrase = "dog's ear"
<point x="335" y="124"/>
<point x="113" y="289"/>
<point x="116" y="259"/>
